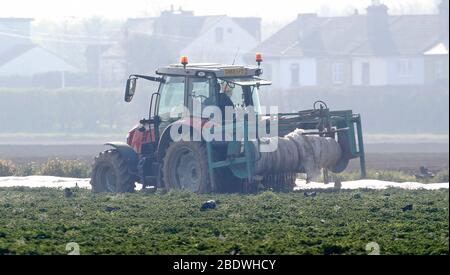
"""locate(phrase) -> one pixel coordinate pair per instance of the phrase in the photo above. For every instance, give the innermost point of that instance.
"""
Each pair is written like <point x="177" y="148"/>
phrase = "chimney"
<point x="443" y="20"/>
<point x="377" y="21"/>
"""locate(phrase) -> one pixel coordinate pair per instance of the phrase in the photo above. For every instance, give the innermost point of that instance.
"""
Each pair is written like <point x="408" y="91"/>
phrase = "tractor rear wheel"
<point x="110" y="174"/>
<point x="185" y="166"/>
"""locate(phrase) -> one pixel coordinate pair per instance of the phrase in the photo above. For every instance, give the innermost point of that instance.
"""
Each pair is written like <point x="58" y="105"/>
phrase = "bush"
<point x="76" y="169"/>
<point x="7" y="168"/>
<point x="25" y="170"/>
<point x="52" y="167"/>
<point x="442" y="176"/>
<point x="388" y="175"/>
<point x="65" y="168"/>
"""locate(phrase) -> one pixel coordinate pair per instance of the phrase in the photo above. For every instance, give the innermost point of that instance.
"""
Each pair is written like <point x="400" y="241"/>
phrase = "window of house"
<point x="219" y="35"/>
<point x="365" y="73"/>
<point x="405" y="67"/>
<point x="439" y="71"/>
<point x="295" y="75"/>
<point x="267" y="71"/>
<point x="338" y="73"/>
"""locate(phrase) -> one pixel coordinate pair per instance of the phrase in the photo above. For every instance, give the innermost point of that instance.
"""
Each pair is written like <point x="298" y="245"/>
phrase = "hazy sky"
<point x="270" y="10"/>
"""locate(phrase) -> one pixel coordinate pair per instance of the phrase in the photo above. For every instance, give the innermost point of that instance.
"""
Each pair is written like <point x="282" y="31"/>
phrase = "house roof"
<point x="408" y="35"/>
<point x="414" y="34"/>
<point x="439" y="49"/>
<point x="114" y="51"/>
<point x="14" y="52"/>
<point x="29" y="59"/>
<point x="208" y="22"/>
<point x="251" y="25"/>
<point x="15" y="19"/>
<point x="326" y="35"/>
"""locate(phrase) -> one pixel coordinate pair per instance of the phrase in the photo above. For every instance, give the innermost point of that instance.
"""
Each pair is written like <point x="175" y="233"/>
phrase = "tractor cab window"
<point x="202" y="94"/>
<point x="255" y="98"/>
<point x="234" y="92"/>
<point x="172" y="97"/>
<point x="241" y="95"/>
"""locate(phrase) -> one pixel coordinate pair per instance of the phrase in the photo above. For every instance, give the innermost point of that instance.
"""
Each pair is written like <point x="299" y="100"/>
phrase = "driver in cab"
<point x="225" y="94"/>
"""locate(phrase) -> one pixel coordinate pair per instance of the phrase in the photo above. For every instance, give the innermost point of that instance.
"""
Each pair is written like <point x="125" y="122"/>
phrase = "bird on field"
<point x="111" y="209"/>
<point x="68" y="193"/>
<point x="211" y="204"/>
<point x="310" y="194"/>
<point x="408" y="207"/>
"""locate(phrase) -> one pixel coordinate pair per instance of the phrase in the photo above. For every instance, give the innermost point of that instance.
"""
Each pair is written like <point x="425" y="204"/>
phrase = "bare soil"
<point x="404" y="157"/>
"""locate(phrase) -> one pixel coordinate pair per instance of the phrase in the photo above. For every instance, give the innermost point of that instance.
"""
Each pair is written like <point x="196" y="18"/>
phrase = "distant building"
<point x="374" y="49"/>
<point x="14" y="31"/>
<point x="223" y="39"/>
<point x="156" y="41"/>
<point x="25" y="64"/>
<point x="436" y="64"/>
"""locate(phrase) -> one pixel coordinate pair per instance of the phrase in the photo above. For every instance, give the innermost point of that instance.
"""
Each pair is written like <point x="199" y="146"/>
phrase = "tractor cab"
<point x="186" y="89"/>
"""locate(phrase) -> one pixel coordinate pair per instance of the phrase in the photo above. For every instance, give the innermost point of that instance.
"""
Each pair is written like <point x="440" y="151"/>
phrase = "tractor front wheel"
<point x="110" y="174"/>
<point x="185" y="166"/>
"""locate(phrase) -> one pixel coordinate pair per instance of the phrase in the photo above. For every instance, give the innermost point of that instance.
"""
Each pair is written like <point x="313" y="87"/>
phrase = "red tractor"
<point x="153" y="158"/>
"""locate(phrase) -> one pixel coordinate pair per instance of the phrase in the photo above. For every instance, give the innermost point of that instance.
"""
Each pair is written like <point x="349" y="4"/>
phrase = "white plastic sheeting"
<point x="57" y="182"/>
<point x="372" y="184"/>
<point x="44" y="181"/>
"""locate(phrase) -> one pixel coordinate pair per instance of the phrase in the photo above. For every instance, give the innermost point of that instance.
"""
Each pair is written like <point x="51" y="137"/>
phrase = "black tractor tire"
<point x="110" y="174"/>
<point x="185" y="167"/>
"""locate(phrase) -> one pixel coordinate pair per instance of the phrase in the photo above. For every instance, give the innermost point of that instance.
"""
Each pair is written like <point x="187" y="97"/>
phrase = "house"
<point x="394" y="53"/>
<point x="203" y="38"/>
<point x="372" y="49"/>
<point x="155" y="41"/>
<point x="29" y="65"/>
<point x="224" y="39"/>
<point x="113" y="66"/>
<point x="26" y="64"/>
<point x="437" y="64"/>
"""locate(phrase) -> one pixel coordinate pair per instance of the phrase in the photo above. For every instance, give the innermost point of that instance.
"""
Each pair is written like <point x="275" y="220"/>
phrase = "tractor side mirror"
<point x="130" y="89"/>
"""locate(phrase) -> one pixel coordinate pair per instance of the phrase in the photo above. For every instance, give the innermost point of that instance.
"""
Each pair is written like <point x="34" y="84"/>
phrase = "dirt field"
<point x="408" y="162"/>
<point x="405" y="157"/>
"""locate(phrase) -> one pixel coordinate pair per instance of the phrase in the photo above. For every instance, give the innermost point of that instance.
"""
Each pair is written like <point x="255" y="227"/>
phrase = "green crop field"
<point x="44" y="221"/>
